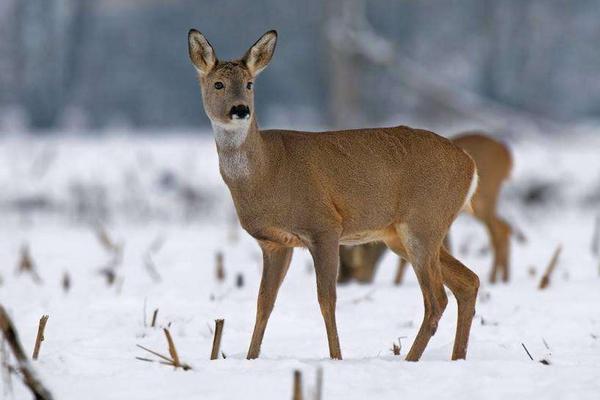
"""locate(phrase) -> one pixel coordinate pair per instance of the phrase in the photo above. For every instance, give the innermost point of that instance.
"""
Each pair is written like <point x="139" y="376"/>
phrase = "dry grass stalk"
<point x="106" y="242"/>
<point x="219" y="267"/>
<point x="297" y="386"/>
<point x="26" y="264"/>
<point x="527" y="351"/>
<point x="217" y="339"/>
<point x="66" y="282"/>
<point x="173" y="360"/>
<point x="172" y="349"/>
<point x="154" y="315"/>
<point x="395" y="349"/>
<point x="40" y="336"/>
<point x="545" y="282"/>
<point x="27" y="374"/>
<point x="116" y="251"/>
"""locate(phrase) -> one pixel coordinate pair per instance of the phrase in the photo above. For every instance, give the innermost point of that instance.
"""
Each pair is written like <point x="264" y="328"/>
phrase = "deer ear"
<point x="259" y="55"/>
<point x="201" y="52"/>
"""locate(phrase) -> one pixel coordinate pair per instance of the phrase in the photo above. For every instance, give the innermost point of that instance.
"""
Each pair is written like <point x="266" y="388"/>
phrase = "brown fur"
<point x="494" y="164"/>
<point x="399" y="185"/>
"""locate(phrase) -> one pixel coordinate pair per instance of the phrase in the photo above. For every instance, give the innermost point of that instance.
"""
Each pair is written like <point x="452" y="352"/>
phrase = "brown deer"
<point x="398" y="185"/>
<point x="494" y="164"/>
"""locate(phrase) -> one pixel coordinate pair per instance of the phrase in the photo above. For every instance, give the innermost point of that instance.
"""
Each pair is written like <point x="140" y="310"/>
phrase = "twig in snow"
<point x="297" y="386"/>
<point x="219" y="267"/>
<point x="527" y="351"/>
<point x="542" y="361"/>
<point x="106" y="242"/>
<point x="239" y="281"/>
<point x="28" y="376"/>
<point x="397" y="348"/>
<point x="217" y="339"/>
<point x="545" y="344"/>
<point x="66" y="282"/>
<point x="26" y="264"/>
<point x="154" y="315"/>
<point x="172" y="349"/>
<point x="173" y="361"/>
<point x="40" y="336"/>
<point x="545" y="282"/>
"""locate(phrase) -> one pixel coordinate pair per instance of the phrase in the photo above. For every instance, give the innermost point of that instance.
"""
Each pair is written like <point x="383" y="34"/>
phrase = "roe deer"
<point x="398" y="185"/>
<point x="494" y="164"/>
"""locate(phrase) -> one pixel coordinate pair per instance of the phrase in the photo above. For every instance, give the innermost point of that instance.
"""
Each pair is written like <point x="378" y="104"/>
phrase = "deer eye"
<point x="249" y="85"/>
<point x="219" y="85"/>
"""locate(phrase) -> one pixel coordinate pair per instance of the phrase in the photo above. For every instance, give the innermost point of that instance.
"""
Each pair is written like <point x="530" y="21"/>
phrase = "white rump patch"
<point x="472" y="189"/>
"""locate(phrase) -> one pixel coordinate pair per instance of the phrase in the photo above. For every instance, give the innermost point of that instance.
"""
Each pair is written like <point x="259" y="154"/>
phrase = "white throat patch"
<point x="233" y="160"/>
<point x="231" y="135"/>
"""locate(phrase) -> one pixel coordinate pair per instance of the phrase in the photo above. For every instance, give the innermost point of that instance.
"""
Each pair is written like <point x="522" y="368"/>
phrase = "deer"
<point x="317" y="190"/>
<point x="494" y="165"/>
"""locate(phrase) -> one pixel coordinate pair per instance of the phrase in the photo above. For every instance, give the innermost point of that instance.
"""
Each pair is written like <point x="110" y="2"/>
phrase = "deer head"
<point x="228" y="86"/>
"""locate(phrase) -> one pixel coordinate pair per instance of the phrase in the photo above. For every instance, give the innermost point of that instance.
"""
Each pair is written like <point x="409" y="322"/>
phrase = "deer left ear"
<point x="259" y="55"/>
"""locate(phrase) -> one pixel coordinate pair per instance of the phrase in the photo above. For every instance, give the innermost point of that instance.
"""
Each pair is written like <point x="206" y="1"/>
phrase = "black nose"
<point x="239" y="112"/>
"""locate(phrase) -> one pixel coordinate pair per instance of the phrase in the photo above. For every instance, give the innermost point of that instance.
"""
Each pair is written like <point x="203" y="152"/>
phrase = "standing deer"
<point x="398" y="185"/>
<point x="494" y="164"/>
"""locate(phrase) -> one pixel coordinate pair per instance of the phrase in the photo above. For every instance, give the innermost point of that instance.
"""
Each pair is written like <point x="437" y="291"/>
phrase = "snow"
<point x="91" y="336"/>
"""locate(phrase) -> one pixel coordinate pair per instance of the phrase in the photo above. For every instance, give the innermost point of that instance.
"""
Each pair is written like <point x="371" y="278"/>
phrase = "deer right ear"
<point x="201" y="52"/>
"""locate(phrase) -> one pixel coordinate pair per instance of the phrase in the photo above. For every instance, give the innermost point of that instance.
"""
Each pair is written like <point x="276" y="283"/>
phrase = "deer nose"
<point x="240" y="111"/>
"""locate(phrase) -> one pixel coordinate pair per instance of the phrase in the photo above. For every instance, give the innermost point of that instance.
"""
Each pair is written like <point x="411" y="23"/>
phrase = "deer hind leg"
<point x="424" y="256"/>
<point x="276" y="262"/>
<point x="499" y="231"/>
<point x="402" y="264"/>
<point x="325" y="253"/>
<point x="464" y="284"/>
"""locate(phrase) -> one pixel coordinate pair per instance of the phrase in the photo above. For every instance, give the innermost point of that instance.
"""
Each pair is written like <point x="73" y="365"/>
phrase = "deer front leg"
<point x="276" y="262"/>
<point x="325" y="254"/>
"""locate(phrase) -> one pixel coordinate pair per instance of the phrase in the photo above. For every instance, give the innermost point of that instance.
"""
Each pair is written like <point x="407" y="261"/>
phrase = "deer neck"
<point x="241" y="150"/>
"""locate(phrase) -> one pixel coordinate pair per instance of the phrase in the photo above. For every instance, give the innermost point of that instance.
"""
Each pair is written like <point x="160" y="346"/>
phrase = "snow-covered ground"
<point x="91" y="336"/>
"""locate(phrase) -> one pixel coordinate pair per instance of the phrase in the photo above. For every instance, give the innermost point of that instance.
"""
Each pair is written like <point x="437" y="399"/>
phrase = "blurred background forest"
<point x="89" y="65"/>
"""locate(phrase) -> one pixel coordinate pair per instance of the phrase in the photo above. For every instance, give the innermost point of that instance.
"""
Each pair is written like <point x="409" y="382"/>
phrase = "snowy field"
<point x="168" y="190"/>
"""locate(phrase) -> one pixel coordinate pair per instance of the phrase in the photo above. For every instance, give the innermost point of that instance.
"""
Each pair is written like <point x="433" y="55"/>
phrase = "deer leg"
<point x="326" y="257"/>
<point x="435" y="300"/>
<point x="499" y="232"/>
<point x="276" y="262"/>
<point x="464" y="284"/>
<point x="402" y="264"/>
<point x="426" y="265"/>
<point x="504" y="247"/>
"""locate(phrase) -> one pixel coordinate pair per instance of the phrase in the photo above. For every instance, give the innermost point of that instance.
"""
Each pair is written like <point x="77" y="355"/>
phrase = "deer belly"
<point x="275" y="237"/>
<point x="356" y="238"/>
